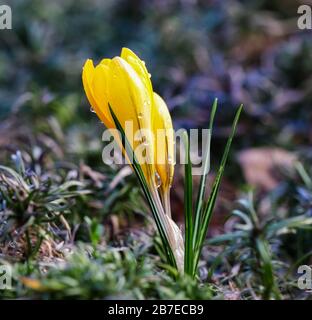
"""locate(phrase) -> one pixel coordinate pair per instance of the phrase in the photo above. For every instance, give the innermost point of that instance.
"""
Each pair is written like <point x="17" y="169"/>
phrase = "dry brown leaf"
<point x="260" y="166"/>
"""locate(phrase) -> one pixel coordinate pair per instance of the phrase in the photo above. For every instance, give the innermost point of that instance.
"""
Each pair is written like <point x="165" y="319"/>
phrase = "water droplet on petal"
<point x="157" y="180"/>
<point x="140" y="115"/>
<point x="92" y="110"/>
<point x="170" y="160"/>
<point x="146" y="103"/>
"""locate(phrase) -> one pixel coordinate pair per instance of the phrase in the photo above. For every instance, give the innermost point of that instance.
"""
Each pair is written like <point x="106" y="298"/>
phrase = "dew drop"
<point x="170" y="160"/>
<point x="92" y="110"/>
<point x="140" y="115"/>
<point x="157" y="180"/>
<point x="146" y="103"/>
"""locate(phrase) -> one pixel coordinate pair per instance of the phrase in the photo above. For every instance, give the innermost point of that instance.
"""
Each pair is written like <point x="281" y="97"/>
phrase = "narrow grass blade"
<point x="286" y="225"/>
<point x="267" y="272"/>
<point x="303" y="174"/>
<point x="203" y="179"/>
<point x="188" y="207"/>
<point x="207" y="213"/>
<point x="228" y="237"/>
<point x="139" y="173"/>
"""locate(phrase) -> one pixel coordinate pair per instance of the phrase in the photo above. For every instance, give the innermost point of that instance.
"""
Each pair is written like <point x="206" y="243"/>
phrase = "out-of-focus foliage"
<point x="242" y="52"/>
<point x="254" y="245"/>
<point x="111" y="274"/>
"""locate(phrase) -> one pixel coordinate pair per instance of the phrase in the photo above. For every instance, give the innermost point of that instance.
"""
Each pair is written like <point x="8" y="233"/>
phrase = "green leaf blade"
<point x="203" y="180"/>
<point x="188" y="207"/>
<point x="207" y="213"/>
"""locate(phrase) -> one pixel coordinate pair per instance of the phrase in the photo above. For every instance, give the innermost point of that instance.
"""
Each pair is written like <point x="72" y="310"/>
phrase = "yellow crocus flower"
<point x="124" y="84"/>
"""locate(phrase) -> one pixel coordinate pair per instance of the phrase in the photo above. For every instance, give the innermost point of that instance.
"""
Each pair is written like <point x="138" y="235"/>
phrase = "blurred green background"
<point x="247" y="52"/>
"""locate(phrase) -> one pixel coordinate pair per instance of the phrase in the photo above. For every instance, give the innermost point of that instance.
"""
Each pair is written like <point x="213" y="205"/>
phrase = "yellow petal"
<point x="130" y="101"/>
<point x="100" y="91"/>
<point x="88" y="75"/>
<point x="87" y="78"/>
<point x="165" y="145"/>
<point x="95" y="85"/>
<point x="105" y="61"/>
<point x="139" y="66"/>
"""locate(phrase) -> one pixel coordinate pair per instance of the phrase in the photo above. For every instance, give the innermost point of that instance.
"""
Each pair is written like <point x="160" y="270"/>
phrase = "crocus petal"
<point x="130" y="101"/>
<point x="100" y="91"/>
<point x="164" y="145"/>
<point x="139" y="66"/>
<point x="87" y="80"/>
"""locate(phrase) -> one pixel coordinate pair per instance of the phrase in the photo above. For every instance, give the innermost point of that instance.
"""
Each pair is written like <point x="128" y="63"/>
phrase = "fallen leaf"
<point x="261" y="166"/>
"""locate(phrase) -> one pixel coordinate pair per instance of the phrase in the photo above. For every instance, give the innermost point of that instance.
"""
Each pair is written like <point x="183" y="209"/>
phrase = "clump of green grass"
<point x="255" y="246"/>
<point x="105" y="273"/>
<point x="44" y="199"/>
<point x="33" y="206"/>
